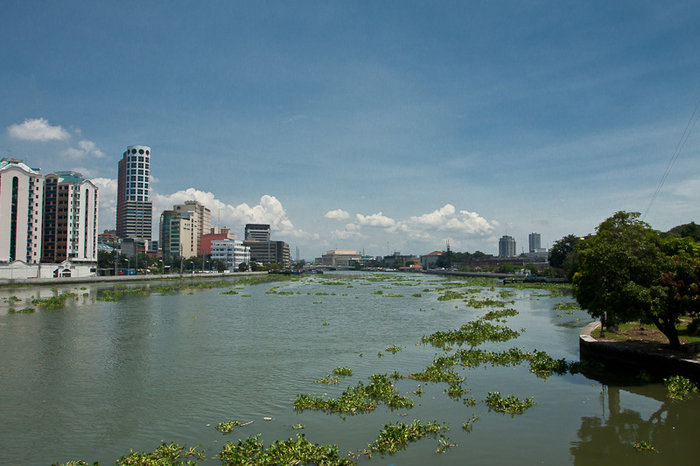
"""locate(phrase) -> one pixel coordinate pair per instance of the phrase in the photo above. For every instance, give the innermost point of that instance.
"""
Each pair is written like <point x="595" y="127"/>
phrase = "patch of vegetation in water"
<point x="395" y="437"/>
<point x="392" y="349"/>
<point x="328" y="380"/>
<point x="344" y="371"/>
<point x="27" y="310"/>
<point x="492" y="315"/>
<point x="227" y="427"/>
<point x="167" y="453"/>
<point x="357" y="399"/>
<point x="439" y="371"/>
<point x="511" y="404"/>
<point x="55" y="302"/>
<point x="645" y="447"/>
<point x="291" y="451"/>
<point x="567" y="306"/>
<point x="229" y="292"/>
<point x="679" y="387"/>
<point x="473" y="333"/>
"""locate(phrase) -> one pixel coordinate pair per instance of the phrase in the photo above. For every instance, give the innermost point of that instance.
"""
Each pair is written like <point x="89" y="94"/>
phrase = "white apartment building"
<point x="201" y="220"/>
<point x="21" y="206"/>
<point x="230" y="251"/>
<point x="70" y="218"/>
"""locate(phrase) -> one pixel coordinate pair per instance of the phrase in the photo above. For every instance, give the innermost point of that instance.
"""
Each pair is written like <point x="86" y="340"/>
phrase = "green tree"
<point x="560" y="254"/>
<point x="627" y="271"/>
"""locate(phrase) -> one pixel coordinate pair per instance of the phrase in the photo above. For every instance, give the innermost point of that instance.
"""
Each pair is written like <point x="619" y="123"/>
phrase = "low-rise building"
<point x="232" y="252"/>
<point x="341" y="258"/>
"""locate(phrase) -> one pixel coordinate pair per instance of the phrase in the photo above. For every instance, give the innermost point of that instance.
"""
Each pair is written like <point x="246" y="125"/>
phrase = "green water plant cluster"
<point x="26" y="310"/>
<point x="344" y="371"/>
<point x="500" y="314"/>
<point x="645" y="447"/>
<point x="357" y="399"/>
<point x="439" y="371"/>
<point x="395" y="437"/>
<point x="679" y="387"/>
<point x="510" y="405"/>
<point x="165" y="454"/>
<point x="55" y="302"/>
<point x="299" y="450"/>
<point x="473" y="333"/>
<point x="227" y="427"/>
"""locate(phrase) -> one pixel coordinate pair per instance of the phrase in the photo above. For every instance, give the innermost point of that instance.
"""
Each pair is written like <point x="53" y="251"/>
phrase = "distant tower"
<point x="506" y="246"/>
<point x="134" y="206"/>
<point x="534" y="241"/>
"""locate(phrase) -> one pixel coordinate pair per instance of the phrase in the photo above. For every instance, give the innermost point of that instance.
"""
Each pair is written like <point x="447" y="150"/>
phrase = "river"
<point x="96" y="378"/>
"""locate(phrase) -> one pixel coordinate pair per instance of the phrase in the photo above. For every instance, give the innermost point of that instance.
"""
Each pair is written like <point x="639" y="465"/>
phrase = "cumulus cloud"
<point x="37" y="129"/>
<point x="269" y="210"/>
<point x="337" y="214"/>
<point x="448" y="219"/>
<point x="376" y="220"/>
<point x="85" y="148"/>
<point x="107" y="196"/>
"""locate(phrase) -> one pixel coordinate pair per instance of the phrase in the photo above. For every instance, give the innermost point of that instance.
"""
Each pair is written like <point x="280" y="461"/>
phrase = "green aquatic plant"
<point x="443" y="444"/>
<point x="227" y="427"/>
<point x="293" y="451"/>
<point x="511" y="405"/>
<point x="491" y="315"/>
<point x="357" y="399"/>
<point x="439" y="371"/>
<point x="395" y="437"/>
<point x="26" y="310"/>
<point x="679" y="387"/>
<point x="473" y="333"/>
<point x="166" y="454"/>
<point x="392" y="349"/>
<point x="566" y="306"/>
<point x="55" y="302"/>
<point x="467" y="426"/>
<point x="543" y="365"/>
<point x="473" y="357"/>
<point x="345" y="371"/>
<point x="645" y="447"/>
<point x="328" y="380"/>
<point x="229" y="292"/>
<point x="297" y="426"/>
<point x="455" y="390"/>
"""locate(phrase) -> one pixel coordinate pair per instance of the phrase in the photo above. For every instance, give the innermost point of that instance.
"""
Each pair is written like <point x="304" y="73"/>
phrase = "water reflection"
<point x="610" y="437"/>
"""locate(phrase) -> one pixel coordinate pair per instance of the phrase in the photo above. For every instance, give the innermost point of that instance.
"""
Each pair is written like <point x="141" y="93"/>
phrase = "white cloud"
<point x="269" y="210"/>
<point x="376" y="220"/>
<point x="37" y="129"/>
<point x="337" y="214"/>
<point x="85" y="148"/>
<point x="107" y="196"/>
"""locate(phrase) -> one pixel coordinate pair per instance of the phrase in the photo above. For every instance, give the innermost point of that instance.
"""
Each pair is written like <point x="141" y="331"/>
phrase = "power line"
<point x="674" y="156"/>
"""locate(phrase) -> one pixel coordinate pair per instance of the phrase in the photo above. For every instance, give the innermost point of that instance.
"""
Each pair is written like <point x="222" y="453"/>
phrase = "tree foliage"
<point x="562" y="256"/>
<point x="627" y="271"/>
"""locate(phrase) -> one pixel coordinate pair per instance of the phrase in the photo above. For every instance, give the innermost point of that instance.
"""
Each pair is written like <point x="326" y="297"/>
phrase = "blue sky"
<point x="371" y="125"/>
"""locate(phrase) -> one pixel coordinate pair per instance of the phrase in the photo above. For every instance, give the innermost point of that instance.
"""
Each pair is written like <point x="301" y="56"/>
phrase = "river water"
<point x="97" y="378"/>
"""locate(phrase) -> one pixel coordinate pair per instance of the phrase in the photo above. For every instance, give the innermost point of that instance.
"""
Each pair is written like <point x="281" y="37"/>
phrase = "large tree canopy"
<point x="627" y="271"/>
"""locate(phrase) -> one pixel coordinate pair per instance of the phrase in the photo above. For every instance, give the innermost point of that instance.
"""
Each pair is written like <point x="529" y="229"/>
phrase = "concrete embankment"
<point x="122" y="278"/>
<point x="637" y="356"/>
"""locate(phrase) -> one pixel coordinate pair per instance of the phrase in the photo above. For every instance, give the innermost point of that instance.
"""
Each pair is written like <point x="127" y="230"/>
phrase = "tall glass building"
<point x="134" y="205"/>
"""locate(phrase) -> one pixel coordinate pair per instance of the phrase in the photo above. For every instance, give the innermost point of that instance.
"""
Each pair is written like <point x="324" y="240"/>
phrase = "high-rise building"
<point x="506" y="246"/>
<point x="257" y="232"/>
<point x="202" y="218"/>
<point x="70" y="218"/>
<point x="21" y="204"/>
<point x="534" y="241"/>
<point x="134" y="206"/>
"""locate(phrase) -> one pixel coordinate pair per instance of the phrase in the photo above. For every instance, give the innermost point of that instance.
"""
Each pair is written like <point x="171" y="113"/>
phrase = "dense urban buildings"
<point x="134" y="206"/>
<point x="215" y="233"/>
<point x="506" y="246"/>
<point x="70" y="218"/>
<point x="264" y="251"/>
<point x="48" y="225"/>
<point x="21" y="203"/>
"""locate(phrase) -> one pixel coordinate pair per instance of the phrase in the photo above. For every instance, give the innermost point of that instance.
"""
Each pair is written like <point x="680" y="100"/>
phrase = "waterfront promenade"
<point x="121" y="278"/>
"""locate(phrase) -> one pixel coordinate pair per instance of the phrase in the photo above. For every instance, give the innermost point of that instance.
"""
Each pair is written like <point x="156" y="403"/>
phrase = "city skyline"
<point x="366" y="126"/>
